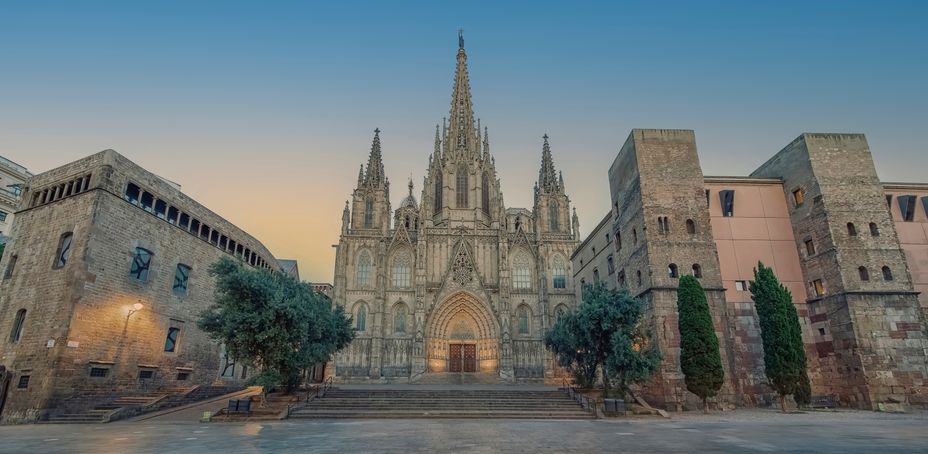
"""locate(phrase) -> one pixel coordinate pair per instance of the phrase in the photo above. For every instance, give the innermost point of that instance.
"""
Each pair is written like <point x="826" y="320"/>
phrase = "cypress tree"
<point x="700" y="360"/>
<point x="784" y="355"/>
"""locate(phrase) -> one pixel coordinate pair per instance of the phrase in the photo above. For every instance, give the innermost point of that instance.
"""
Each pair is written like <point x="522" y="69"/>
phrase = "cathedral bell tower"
<point x="461" y="187"/>
<point x="370" y="209"/>
<point x="552" y="207"/>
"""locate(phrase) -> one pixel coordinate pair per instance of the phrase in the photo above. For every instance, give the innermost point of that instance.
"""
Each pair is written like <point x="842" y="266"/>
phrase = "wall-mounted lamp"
<point x="135" y="308"/>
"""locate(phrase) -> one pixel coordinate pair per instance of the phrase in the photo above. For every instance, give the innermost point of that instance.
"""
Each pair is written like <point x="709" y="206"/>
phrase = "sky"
<point x="264" y="110"/>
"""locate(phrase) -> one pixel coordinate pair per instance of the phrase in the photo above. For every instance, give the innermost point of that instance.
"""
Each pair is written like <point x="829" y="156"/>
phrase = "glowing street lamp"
<point x="135" y="308"/>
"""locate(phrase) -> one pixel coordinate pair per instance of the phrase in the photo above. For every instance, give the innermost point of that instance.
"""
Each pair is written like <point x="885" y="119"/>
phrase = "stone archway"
<point x="462" y="319"/>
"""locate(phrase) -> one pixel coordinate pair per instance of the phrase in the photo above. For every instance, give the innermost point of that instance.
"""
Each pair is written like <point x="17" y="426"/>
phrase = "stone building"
<point x="12" y="179"/>
<point x="453" y="281"/>
<point x="102" y="283"/>
<point x="819" y="216"/>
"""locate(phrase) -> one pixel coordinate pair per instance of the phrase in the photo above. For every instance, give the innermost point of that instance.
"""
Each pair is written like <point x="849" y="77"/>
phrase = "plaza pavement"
<point x="730" y="432"/>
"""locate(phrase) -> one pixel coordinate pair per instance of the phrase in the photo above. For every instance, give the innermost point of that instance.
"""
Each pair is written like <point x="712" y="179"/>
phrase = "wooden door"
<point x="470" y="358"/>
<point x="454" y="358"/>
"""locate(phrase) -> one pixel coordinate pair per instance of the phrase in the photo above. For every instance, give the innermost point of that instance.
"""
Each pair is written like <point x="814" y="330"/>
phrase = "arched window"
<point x="368" y="213"/>
<point x="559" y="272"/>
<point x="690" y="226"/>
<point x="559" y="312"/>
<point x="141" y="264"/>
<point x="461" y="187"/>
<point x="851" y="230"/>
<point x="874" y="230"/>
<point x="523" y="318"/>
<point x="697" y="270"/>
<point x="864" y="273"/>
<point x="438" y="191"/>
<point x="485" y="193"/>
<point x="399" y="318"/>
<point x="521" y="272"/>
<point x="64" y="250"/>
<point x="553" y="214"/>
<point x="360" y="317"/>
<point x="887" y="274"/>
<point x="672" y="271"/>
<point x="663" y="225"/>
<point x="401" y="270"/>
<point x="17" y="331"/>
<point x="364" y="269"/>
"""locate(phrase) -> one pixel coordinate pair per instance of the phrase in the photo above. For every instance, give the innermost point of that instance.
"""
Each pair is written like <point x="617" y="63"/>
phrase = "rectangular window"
<point x="195" y="227"/>
<point x="172" y="215"/>
<point x="925" y="205"/>
<point x="184" y="221"/>
<point x="818" y="287"/>
<point x="183" y="376"/>
<point x="172" y="338"/>
<point x="146" y="374"/>
<point x="907" y="207"/>
<point x="621" y="278"/>
<point x="181" y="277"/>
<point x="810" y="248"/>
<point x="3" y="215"/>
<point x="147" y="201"/>
<point x="141" y="263"/>
<point x="741" y="286"/>
<point x="204" y="232"/>
<point x="10" y="267"/>
<point x="132" y="194"/>
<point x="23" y="382"/>
<point x="161" y="208"/>
<point x="214" y="238"/>
<point x="64" y="250"/>
<point x="727" y="198"/>
<point x="99" y="372"/>
<point x="223" y="242"/>
<point x="799" y="197"/>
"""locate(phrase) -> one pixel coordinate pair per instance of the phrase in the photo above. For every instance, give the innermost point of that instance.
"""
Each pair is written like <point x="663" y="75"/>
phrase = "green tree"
<point x="273" y="321"/>
<point x="700" y="360"/>
<point x="604" y="333"/>
<point x="784" y="355"/>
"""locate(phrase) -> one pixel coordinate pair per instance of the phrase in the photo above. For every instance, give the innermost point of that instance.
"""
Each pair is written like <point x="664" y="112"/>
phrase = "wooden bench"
<point x="823" y="401"/>
<point x="239" y="406"/>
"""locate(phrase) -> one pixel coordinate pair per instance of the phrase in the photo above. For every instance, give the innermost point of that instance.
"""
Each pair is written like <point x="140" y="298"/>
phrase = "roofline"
<point x="589" y="237"/>
<point x="912" y="186"/>
<point x="741" y="179"/>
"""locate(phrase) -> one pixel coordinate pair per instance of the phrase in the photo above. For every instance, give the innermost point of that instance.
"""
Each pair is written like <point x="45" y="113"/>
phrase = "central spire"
<point x="462" y="136"/>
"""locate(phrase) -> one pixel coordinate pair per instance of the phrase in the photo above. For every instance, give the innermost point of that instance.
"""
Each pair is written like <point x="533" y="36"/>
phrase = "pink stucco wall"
<point x="759" y="230"/>
<point x="913" y="235"/>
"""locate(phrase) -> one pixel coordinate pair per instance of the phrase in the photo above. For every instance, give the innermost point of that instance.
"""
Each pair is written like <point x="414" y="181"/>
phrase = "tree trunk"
<point x="783" y="403"/>
<point x="705" y="405"/>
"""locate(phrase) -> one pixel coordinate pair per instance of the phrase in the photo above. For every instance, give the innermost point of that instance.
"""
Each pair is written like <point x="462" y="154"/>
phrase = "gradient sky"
<point x="263" y="111"/>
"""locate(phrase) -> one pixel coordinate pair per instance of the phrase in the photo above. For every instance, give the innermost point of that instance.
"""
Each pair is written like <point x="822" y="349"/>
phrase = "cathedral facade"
<point x="454" y="281"/>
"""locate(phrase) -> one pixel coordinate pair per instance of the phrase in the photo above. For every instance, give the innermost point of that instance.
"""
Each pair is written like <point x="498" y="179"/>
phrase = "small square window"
<point x="23" y="382"/>
<point x="741" y="286"/>
<point x="810" y="248"/>
<point x="146" y="374"/>
<point x="799" y="197"/>
<point x="183" y="376"/>
<point x="821" y="331"/>
<point x="99" y="372"/>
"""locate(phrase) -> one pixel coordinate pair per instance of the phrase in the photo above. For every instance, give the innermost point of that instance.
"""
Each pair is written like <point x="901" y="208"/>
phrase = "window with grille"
<point x="402" y="270"/>
<point x="521" y="272"/>
<point x="170" y="341"/>
<point x="364" y="269"/>
<point x="63" y="254"/>
<point x="181" y="277"/>
<point x="141" y="263"/>
<point x="146" y="374"/>
<point x="99" y="372"/>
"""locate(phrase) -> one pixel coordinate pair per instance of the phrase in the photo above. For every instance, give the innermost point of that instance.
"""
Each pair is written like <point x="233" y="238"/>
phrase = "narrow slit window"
<point x="17" y="332"/>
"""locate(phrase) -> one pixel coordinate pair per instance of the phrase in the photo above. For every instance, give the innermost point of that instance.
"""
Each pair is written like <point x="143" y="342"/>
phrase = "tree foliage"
<point x="604" y="333"/>
<point x="273" y="321"/>
<point x="700" y="359"/>
<point x="784" y="355"/>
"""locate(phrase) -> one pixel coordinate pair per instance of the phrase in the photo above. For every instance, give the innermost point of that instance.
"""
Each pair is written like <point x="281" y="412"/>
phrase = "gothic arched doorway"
<point x="462" y="336"/>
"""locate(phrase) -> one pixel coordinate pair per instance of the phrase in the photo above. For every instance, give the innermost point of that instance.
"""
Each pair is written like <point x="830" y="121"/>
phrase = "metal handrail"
<point x="587" y="403"/>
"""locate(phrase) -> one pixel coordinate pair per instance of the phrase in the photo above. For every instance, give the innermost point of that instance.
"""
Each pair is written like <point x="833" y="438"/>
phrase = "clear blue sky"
<point x="242" y="102"/>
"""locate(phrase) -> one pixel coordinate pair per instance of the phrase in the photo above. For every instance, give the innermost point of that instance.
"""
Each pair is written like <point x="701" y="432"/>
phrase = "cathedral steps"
<point x="445" y="403"/>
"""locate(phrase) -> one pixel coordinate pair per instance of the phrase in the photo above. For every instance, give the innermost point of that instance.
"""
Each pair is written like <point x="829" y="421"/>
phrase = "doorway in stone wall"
<point x="462" y="357"/>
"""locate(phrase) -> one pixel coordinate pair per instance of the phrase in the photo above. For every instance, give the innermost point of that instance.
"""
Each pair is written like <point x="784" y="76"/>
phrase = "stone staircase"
<point x="442" y="403"/>
<point x="127" y="406"/>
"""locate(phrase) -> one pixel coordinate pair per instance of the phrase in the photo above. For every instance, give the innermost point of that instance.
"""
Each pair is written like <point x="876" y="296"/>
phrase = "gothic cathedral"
<point x="458" y="282"/>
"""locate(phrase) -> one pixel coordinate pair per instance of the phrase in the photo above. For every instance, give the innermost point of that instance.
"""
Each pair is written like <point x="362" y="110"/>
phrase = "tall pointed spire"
<point x="375" y="174"/>
<point x="547" y="176"/>
<point x="437" y="152"/>
<point x="361" y="176"/>
<point x="462" y="135"/>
